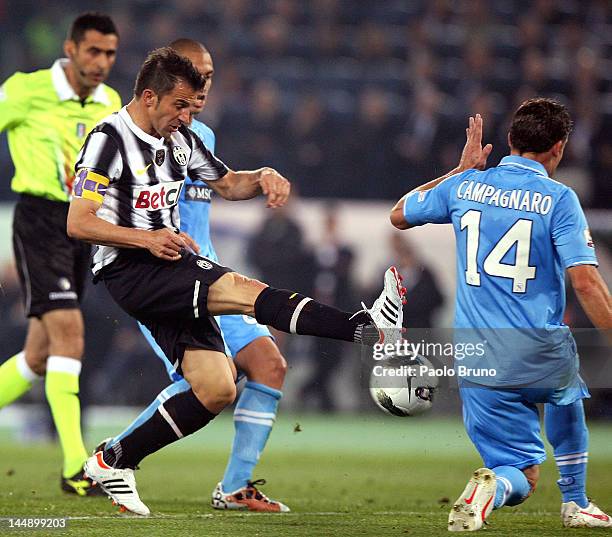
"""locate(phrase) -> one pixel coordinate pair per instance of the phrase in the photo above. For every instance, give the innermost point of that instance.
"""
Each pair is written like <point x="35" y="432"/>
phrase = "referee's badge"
<point x="180" y="156"/>
<point x="160" y="156"/>
<point x="80" y="130"/>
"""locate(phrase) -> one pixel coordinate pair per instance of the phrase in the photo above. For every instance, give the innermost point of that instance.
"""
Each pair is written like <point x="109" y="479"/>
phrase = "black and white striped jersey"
<point x="138" y="178"/>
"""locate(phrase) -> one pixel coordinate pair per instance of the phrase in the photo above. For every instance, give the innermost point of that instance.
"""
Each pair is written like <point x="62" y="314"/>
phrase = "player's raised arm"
<point x="236" y="185"/>
<point x="244" y="185"/>
<point x="473" y="156"/>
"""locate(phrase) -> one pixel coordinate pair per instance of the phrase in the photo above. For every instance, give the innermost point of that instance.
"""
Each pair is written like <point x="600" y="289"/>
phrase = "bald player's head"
<point x="202" y="61"/>
<point x="185" y="46"/>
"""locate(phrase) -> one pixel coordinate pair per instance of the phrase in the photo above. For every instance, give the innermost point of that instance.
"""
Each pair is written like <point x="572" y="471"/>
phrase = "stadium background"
<point x="357" y="103"/>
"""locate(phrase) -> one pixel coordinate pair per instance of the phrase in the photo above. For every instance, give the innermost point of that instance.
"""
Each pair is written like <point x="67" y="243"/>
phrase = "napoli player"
<point x="517" y="231"/>
<point x="251" y="345"/>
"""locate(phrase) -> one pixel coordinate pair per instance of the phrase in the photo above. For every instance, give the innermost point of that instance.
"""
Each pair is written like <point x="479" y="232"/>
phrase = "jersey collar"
<point x="157" y="143"/>
<point x="66" y="92"/>
<point x="525" y="163"/>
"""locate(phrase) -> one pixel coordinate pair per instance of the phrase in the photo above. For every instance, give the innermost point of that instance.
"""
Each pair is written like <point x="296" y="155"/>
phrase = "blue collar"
<point x="525" y="163"/>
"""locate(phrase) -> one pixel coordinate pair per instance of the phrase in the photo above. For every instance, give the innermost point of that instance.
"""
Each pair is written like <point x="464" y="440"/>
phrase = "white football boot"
<point x="387" y="313"/>
<point x="118" y="483"/>
<point x="248" y="497"/>
<point x="475" y="503"/>
<point x="591" y="516"/>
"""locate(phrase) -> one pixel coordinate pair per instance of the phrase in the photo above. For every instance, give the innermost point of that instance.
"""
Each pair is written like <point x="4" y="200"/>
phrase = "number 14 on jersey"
<point x="519" y="272"/>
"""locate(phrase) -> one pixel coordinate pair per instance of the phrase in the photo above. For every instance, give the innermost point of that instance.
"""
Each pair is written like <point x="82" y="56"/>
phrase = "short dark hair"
<point x="538" y="124"/>
<point x="92" y="20"/>
<point x="163" y="69"/>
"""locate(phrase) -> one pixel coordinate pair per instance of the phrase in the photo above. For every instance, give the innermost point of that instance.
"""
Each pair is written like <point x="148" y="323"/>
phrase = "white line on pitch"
<point x="295" y="514"/>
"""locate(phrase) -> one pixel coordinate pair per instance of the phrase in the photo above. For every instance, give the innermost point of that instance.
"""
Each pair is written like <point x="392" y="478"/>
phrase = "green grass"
<point x="340" y="475"/>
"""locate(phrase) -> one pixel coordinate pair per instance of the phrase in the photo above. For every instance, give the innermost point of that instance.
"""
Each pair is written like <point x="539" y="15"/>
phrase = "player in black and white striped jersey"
<point x="141" y="174"/>
<point x="129" y="175"/>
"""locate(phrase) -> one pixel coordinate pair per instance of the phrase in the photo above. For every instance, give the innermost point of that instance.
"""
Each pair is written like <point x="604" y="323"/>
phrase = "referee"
<point x="47" y="115"/>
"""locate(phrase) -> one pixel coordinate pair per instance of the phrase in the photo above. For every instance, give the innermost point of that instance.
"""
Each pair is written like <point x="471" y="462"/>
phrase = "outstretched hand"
<point x="474" y="155"/>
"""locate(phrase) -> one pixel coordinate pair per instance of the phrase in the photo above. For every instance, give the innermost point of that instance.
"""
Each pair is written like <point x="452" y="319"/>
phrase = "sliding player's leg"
<point x="567" y="432"/>
<point x="492" y="418"/>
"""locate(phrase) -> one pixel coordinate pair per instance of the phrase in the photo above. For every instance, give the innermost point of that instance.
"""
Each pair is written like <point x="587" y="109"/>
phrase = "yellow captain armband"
<point x="90" y="185"/>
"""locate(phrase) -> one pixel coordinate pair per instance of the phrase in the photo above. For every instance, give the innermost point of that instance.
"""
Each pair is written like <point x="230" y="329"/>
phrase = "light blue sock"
<point x="177" y="387"/>
<point x="253" y="420"/>
<point x="567" y="432"/>
<point x="512" y="486"/>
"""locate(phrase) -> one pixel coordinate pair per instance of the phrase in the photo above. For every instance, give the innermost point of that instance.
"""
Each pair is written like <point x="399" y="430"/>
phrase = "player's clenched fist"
<point x="275" y="187"/>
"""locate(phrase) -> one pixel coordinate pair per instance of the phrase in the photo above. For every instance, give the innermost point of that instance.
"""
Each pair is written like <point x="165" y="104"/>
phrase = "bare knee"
<point x="36" y="348"/>
<point x="65" y="331"/>
<point x="276" y="370"/>
<point x="234" y="293"/>
<point x="532" y="473"/>
<point x="36" y="356"/>
<point x="37" y="362"/>
<point x="263" y="362"/>
<point x="211" y="376"/>
<point x="216" y="398"/>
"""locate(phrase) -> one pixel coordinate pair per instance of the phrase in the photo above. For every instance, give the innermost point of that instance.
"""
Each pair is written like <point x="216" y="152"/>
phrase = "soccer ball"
<point x="403" y="385"/>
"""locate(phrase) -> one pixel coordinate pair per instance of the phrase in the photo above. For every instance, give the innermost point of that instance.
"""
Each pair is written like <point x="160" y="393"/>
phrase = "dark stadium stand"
<point x="462" y="53"/>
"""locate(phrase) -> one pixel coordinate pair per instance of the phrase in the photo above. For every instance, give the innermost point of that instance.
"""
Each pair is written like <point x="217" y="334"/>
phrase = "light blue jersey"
<point x="196" y="198"/>
<point x="517" y="231"/>
<point x="194" y="210"/>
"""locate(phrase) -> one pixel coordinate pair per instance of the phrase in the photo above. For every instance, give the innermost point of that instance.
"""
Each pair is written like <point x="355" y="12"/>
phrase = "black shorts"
<point x="53" y="268"/>
<point x="168" y="297"/>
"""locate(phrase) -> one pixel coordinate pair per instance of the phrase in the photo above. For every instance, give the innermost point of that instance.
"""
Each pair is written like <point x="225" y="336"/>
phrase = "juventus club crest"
<point x="160" y="156"/>
<point x="180" y="156"/>
<point x="204" y="264"/>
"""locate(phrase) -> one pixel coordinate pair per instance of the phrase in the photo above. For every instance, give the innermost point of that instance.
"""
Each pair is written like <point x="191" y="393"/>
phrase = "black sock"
<point x="297" y="314"/>
<point x="179" y="416"/>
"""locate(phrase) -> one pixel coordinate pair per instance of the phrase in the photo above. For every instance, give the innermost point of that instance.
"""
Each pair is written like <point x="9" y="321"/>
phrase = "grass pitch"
<point x="341" y="476"/>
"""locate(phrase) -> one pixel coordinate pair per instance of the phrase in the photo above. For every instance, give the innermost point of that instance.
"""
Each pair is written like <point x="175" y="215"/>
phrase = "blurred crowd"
<point x="361" y="99"/>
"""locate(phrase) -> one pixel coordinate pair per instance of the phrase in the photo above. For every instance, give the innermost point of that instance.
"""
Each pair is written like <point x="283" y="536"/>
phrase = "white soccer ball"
<point x="403" y="385"/>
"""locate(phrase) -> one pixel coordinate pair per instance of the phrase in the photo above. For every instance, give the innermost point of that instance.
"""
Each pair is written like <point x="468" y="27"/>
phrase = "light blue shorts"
<point x="504" y="424"/>
<point x="239" y="331"/>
